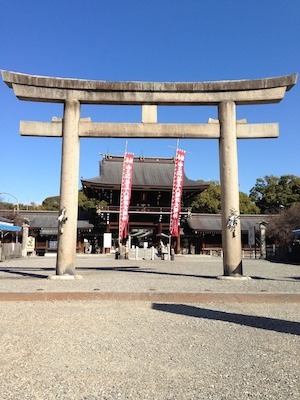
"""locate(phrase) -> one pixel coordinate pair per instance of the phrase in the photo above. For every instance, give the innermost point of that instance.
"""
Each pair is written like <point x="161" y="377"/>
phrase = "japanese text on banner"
<point x="125" y="195"/>
<point x="177" y="192"/>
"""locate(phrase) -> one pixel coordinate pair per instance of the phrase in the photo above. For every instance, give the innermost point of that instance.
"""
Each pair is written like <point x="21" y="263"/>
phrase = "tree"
<point x="84" y="203"/>
<point x="51" y="203"/>
<point x="273" y="193"/>
<point x="280" y="226"/>
<point x="209" y="201"/>
<point x="247" y="206"/>
<point x="6" y="206"/>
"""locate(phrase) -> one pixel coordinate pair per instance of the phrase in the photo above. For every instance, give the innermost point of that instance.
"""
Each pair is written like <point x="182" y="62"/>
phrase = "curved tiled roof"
<point x="147" y="173"/>
<point x="48" y="219"/>
<point x="212" y="222"/>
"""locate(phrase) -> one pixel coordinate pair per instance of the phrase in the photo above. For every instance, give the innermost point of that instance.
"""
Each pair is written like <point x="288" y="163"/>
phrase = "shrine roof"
<point x="212" y="222"/>
<point x="48" y="219"/>
<point x="148" y="172"/>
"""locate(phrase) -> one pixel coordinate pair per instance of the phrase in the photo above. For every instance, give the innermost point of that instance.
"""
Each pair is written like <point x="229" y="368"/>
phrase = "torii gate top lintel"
<point x="52" y="89"/>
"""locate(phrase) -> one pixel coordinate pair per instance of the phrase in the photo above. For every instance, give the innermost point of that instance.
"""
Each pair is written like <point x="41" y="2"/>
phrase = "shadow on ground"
<point x="271" y="324"/>
<point x="33" y="272"/>
<point x="136" y="269"/>
<point x="24" y="274"/>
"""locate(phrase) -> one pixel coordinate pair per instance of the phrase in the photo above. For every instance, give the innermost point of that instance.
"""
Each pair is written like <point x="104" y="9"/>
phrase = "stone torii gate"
<point x="223" y="94"/>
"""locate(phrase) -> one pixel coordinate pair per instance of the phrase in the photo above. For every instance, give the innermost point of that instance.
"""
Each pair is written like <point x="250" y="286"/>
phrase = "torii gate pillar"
<point x="231" y="238"/>
<point x="67" y="232"/>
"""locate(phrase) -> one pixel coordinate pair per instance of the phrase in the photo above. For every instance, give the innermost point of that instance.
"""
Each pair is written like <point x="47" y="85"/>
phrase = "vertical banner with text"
<point x="177" y="192"/>
<point x="125" y="195"/>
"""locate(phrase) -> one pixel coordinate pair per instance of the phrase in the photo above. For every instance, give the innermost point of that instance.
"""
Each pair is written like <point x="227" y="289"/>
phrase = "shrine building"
<point x="149" y="214"/>
<point x="151" y="195"/>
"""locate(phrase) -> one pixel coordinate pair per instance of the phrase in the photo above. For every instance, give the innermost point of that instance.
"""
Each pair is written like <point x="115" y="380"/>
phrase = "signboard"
<point x="107" y="237"/>
<point x="177" y="192"/>
<point x="125" y="195"/>
<point x="30" y="245"/>
<point x="251" y="236"/>
<point x="52" y="245"/>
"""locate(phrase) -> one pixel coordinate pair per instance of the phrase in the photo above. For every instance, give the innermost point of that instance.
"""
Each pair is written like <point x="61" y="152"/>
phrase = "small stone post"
<point x="262" y="237"/>
<point x="25" y="230"/>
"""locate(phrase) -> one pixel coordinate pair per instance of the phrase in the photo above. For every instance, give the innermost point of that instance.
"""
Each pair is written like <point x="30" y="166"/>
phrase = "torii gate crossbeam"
<point x="223" y="94"/>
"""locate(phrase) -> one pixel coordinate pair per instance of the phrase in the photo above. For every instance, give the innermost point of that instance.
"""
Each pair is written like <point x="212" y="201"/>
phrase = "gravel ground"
<point x="140" y="350"/>
<point x="186" y="274"/>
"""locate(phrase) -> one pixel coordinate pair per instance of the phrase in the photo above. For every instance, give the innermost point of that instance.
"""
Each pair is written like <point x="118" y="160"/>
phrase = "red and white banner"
<point x="125" y="195"/>
<point x="177" y="192"/>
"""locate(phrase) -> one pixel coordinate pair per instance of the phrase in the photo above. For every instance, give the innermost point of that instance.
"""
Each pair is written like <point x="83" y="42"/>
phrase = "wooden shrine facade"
<point x="150" y="205"/>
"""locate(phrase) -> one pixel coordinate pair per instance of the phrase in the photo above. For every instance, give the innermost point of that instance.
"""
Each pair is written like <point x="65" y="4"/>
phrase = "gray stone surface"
<point x="10" y="77"/>
<point x="192" y="274"/>
<point x="151" y="130"/>
<point x="148" y="350"/>
<point x="68" y="198"/>
<point x="43" y="88"/>
<point x="229" y="183"/>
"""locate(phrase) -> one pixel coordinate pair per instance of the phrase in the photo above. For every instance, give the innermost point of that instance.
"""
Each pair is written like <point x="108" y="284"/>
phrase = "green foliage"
<point x="84" y="202"/>
<point x="273" y="193"/>
<point x="209" y="201"/>
<point x="31" y="206"/>
<point x="246" y="205"/>
<point x="51" y="203"/>
<point x="13" y="206"/>
<point x="6" y="206"/>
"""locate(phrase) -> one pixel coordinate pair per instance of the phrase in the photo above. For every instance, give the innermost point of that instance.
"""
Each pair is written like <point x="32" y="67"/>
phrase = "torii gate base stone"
<point x="226" y="95"/>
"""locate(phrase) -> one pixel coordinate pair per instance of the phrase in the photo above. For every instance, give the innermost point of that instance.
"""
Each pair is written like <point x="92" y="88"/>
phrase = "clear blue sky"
<point x="142" y="40"/>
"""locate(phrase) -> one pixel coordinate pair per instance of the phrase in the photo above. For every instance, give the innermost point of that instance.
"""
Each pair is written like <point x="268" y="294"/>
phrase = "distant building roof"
<point x="5" y="220"/>
<point x="47" y="221"/>
<point x="212" y="222"/>
<point x="148" y="173"/>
